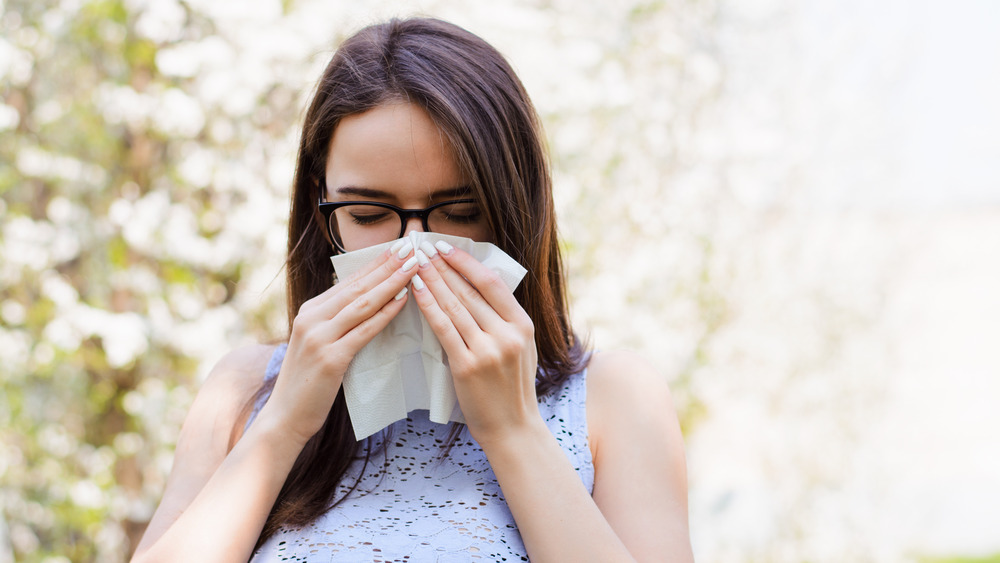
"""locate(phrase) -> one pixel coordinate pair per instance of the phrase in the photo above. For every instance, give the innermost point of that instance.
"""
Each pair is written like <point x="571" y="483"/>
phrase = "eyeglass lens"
<point x="359" y="226"/>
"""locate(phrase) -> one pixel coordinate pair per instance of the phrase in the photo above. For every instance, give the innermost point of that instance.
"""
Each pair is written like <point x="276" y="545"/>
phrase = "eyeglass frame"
<point x="326" y="208"/>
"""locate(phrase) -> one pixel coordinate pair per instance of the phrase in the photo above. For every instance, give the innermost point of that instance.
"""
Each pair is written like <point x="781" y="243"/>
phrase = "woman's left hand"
<point x="489" y="340"/>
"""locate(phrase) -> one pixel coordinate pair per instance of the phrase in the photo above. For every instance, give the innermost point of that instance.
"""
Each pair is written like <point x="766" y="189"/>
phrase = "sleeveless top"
<point x="413" y="504"/>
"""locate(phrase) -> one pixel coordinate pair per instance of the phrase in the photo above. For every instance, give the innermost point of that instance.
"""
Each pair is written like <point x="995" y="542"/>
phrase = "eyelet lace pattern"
<point x="412" y="504"/>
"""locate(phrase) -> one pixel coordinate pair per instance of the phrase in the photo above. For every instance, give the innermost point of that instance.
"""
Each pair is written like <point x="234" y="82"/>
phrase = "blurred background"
<point x="791" y="207"/>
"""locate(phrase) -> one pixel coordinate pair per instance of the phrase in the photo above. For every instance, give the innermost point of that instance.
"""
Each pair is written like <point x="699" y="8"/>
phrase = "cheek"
<point x="485" y="235"/>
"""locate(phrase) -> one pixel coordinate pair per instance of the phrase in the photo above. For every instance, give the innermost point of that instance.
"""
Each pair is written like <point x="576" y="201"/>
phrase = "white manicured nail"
<point x="409" y="264"/>
<point x="444" y="247"/>
<point x="418" y="283"/>
<point x="400" y="295"/>
<point x="421" y="257"/>
<point x="397" y="245"/>
<point x="407" y="247"/>
<point x="428" y="249"/>
<point x="413" y="239"/>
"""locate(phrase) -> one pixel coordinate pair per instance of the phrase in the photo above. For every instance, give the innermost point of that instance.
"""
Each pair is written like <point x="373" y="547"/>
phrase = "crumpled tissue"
<point x="404" y="368"/>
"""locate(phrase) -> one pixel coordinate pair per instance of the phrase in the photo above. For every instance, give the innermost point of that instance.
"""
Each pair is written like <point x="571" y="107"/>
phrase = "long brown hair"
<point x="474" y="97"/>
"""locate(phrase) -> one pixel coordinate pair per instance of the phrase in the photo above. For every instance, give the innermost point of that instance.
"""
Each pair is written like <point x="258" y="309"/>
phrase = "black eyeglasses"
<point x="353" y="225"/>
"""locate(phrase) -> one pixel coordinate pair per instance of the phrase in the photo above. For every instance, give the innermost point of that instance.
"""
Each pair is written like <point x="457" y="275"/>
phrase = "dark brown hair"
<point x="474" y="97"/>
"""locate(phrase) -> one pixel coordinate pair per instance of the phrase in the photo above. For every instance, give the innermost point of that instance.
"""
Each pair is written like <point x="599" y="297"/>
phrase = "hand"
<point x="326" y="334"/>
<point x="489" y="340"/>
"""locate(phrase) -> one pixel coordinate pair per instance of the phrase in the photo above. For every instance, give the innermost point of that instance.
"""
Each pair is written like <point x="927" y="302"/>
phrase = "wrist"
<point x="515" y="439"/>
<point x="273" y="434"/>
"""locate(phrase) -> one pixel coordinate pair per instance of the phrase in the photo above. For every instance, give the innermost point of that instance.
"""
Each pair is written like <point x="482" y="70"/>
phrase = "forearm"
<point x="557" y="518"/>
<point x="224" y="521"/>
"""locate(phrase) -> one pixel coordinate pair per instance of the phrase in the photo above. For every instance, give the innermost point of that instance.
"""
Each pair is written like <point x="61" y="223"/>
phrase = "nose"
<point x="413" y="224"/>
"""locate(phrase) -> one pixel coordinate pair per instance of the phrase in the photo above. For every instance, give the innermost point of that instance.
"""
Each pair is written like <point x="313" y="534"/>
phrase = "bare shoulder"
<point x="231" y="384"/>
<point x="229" y="387"/>
<point x="628" y="399"/>
<point x="640" y="473"/>
<point x="621" y="382"/>
<point x="239" y="373"/>
<point x="208" y="430"/>
<point x="621" y="367"/>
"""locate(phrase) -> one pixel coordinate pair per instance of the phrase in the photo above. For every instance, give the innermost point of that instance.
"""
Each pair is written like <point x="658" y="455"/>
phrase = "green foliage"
<point x="141" y="224"/>
<point x="105" y="263"/>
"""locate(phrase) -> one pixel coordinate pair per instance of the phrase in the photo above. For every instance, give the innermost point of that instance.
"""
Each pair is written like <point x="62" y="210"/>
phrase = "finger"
<point x="369" y="303"/>
<point x="360" y="335"/>
<point x="379" y="270"/>
<point x="450" y="304"/>
<point x="488" y="283"/>
<point x="481" y="311"/>
<point x="318" y="306"/>
<point x="440" y="323"/>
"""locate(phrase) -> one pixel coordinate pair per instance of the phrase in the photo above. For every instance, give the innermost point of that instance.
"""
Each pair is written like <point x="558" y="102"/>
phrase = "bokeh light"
<point x="791" y="208"/>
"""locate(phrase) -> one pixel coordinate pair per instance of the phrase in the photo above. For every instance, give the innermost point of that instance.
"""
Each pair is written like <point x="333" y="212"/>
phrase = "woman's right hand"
<point x="326" y="334"/>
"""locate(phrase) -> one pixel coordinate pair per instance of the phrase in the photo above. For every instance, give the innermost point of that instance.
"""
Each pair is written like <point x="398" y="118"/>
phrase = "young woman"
<point x="565" y="456"/>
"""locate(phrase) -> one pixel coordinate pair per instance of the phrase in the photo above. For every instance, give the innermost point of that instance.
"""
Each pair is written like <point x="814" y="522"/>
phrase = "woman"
<point x="565" y="455"/>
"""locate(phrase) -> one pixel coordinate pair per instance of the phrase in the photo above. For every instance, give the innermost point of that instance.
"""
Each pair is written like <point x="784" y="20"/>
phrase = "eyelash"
<point x="467" y="218"/>
<point x="364" y="220"/>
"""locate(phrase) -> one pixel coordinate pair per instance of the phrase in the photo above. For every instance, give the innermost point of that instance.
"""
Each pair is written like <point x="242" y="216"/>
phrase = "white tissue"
<point x="404" y="367"/>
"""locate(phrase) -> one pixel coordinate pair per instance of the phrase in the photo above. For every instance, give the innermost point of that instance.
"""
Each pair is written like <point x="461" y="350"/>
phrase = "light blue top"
<point x="425" y="508"/>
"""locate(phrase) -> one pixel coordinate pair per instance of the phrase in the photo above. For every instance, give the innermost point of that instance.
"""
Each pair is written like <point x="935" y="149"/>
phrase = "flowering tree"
<point x="137" y="205"/>
<point x="146" y="148"/>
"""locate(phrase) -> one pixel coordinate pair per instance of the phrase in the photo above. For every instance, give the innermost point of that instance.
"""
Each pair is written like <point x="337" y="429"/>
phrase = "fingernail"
<point x="421" y="257"/>
<point x="408" y="265"/>
<point x="444" y="247"/>
<point x="418" y="283"/>
<point x="407" y="247"/>
<point x="397" y="245"/>
<point x="428" y="249"/>
<point x="400" y="295"/>
<point x="413" y="238"/>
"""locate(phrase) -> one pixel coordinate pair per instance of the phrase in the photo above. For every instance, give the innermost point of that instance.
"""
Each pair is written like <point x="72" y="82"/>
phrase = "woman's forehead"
<point x="391" y="147"/>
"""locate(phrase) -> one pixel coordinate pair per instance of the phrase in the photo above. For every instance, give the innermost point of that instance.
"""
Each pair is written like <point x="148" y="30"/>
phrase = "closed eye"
<point x="463" y="218"/>
<point x="369" y="218"/>
<point x="461" y="213"/>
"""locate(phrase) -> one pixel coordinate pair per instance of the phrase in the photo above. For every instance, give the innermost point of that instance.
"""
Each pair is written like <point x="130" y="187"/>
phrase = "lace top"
<point x="412" y="504"/>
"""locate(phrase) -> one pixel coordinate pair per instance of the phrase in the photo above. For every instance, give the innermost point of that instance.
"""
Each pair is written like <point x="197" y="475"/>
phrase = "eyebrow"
<point x="461" y="191"/>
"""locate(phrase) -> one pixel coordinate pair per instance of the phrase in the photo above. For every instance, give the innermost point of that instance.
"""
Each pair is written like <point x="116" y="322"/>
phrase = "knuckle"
<point x="362" y="302"/>
<point x="299" y="324"/>
<point x="366" y="330"/>
<point x="353" y="278"/>
<point x="525" y="325"/>
<point x="509" y="346"/>
<point x="306" y="307"/>
<point x="453" y="307"/>
<point x="354" y="288"/>
<point x="492" y="279"/>
<point x="462" y="371"/>
<point x="439" y="324"/>
<point x="311" y="341"/>
<point x="492" y="358"/>
<point x="470" y="293"/>
<point x="388" y="268"/>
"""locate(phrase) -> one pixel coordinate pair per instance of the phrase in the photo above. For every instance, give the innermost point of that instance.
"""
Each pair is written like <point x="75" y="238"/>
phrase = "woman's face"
<point x="395" y="154"/>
